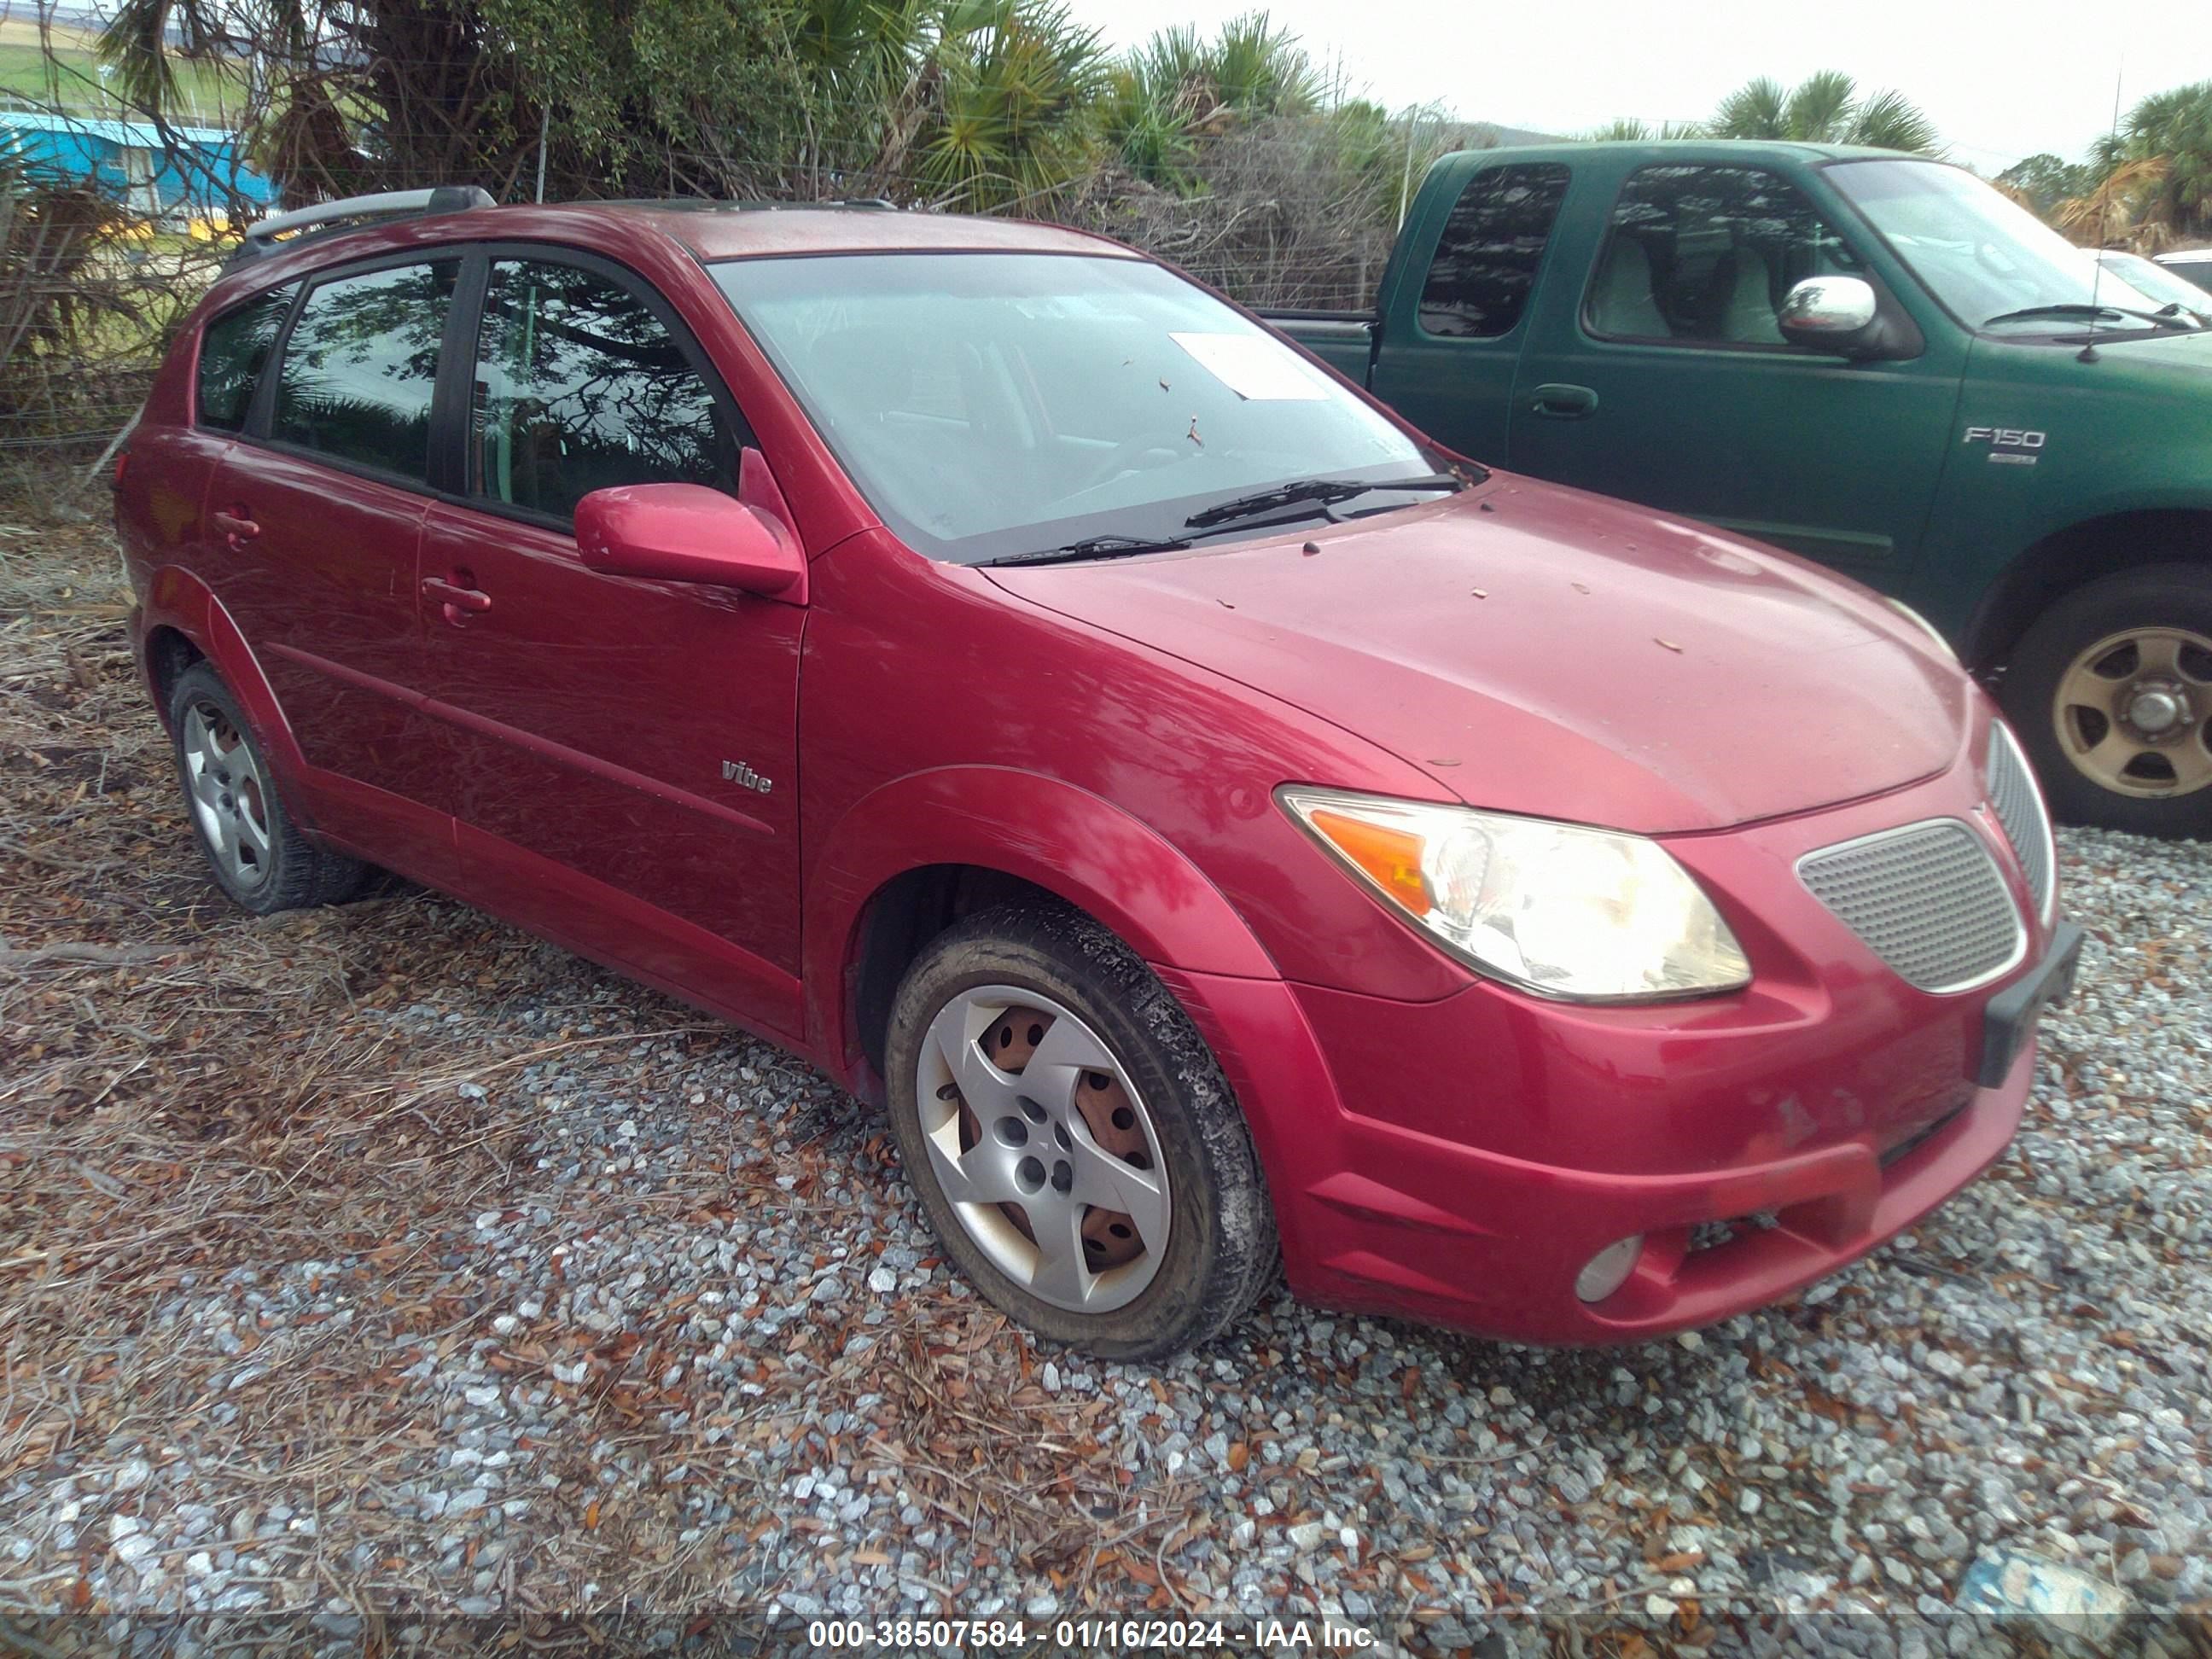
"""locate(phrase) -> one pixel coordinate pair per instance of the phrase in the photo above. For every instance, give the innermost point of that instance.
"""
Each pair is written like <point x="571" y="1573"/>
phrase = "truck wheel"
<point x="1071" y="1137"/>
<point x="2110" y="691"/>
<point x="256" y="853"/>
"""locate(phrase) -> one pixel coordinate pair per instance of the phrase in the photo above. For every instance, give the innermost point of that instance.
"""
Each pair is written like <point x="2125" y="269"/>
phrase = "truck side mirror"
<point x="1845" y="316"/>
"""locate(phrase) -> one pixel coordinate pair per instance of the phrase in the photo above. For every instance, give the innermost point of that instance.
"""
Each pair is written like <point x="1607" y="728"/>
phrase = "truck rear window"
<point x="1485" y="261"/>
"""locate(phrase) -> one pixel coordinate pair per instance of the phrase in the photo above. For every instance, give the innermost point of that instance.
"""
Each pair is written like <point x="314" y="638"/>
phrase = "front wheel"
<point x="1071" y="1137"/>
<point x="2110" y="691"/>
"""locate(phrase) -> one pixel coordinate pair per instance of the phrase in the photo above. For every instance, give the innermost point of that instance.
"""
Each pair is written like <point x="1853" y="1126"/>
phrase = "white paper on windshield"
<point x="1254" y="367"/>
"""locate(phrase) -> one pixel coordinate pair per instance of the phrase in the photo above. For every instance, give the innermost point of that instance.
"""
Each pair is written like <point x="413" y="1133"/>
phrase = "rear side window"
<point x="578" y="387"/>
<point x="1700" y="254"/>
<point x="1486" y="259"/>
<point x="362" y="364"/>
<point x="233" y="352"/>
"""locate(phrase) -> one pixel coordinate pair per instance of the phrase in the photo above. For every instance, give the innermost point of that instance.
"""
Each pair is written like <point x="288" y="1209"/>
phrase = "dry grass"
<point x="184" y="1091"/>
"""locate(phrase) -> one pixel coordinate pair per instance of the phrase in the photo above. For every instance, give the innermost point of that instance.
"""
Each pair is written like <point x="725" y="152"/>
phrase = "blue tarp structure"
<point x="131" y="162"/>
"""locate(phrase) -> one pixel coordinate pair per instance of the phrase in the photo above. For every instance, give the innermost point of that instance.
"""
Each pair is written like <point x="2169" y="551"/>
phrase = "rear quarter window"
<point x="233" y="350"/>
<point x="1485" y="261"/>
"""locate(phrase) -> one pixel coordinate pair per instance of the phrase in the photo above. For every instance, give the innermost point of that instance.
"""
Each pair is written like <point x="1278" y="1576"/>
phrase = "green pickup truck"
<point x="1873" y="360"/>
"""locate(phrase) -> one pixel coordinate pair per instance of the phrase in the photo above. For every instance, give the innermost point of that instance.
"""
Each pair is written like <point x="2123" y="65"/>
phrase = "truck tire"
<point x="1071" y="1137"/>
<point x="2110" y="693"/>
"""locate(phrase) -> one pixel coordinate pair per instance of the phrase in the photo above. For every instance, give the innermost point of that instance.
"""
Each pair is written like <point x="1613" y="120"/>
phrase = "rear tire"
<point x="2110" y="693"/>
<point x="254" y="849"/>
<point x="1036" y="1067"/>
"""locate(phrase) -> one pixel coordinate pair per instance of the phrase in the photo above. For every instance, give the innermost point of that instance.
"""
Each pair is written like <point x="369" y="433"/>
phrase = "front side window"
<point x="1705" y="255"/>
<point x="233" y="352"/>
<point x="578" y="387"/>
<point x="990" y="405"/>
<point x="1990" y="261"/>
<point x="362" y="364"/>
<point x="1487" y="258"/>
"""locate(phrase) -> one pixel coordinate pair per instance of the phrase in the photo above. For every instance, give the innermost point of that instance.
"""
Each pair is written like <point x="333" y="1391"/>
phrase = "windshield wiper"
<point x="1091" y="547"/>
<point x="1319" y="492"/>
<point x="2162" y="319"/>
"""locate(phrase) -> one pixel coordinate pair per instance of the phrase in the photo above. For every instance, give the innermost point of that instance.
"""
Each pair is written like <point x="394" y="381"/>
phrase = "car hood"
<point x="1534" y="649"/>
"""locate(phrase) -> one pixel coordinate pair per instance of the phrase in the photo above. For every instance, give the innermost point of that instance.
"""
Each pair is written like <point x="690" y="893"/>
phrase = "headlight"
<point x="1553" y="907"/>
<point x="1924" y="625"/>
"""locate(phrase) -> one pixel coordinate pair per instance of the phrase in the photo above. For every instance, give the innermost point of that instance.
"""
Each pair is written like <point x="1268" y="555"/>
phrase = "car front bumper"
<point x="1461" y="1162"/>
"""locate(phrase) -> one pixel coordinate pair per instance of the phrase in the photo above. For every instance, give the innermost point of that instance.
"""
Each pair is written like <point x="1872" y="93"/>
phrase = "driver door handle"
<point x="1562" y="403"/>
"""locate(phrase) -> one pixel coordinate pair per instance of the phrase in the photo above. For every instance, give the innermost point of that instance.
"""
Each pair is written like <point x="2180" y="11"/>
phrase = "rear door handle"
<point x="1562" y="403"/>
<point x="459" y="600"/>
<point x="235" y="528"/>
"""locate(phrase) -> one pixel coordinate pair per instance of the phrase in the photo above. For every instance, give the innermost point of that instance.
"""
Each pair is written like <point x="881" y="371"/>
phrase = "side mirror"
<point x="1845" y="316"/>
<point x="683" y="532"/>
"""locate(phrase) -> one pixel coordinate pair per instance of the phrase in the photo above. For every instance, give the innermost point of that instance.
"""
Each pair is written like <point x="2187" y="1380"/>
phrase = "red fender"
<point x="1046" y="831"/>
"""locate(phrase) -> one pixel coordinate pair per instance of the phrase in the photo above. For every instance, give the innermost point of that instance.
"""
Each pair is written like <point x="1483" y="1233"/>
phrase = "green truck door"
<point x="1663" y="378"/>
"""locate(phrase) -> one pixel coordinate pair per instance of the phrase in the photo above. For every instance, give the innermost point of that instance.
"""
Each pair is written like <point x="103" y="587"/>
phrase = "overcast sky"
<point x="2000" y="82"/>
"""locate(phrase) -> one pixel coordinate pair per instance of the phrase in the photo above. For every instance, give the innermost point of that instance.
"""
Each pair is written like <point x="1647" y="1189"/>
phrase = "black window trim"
<point x="457" y="378"/>
<point x="1535" y="275"/>
<point x="1584" y="312"/>
<point x="256" y="430"/>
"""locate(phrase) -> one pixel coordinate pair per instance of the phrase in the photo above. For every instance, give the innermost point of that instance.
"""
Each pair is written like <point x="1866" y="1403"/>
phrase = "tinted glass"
<point x="580" y="387"/>
<point x="232" y="353"/>
<point x="1707" y="254"/>
<point x="361" y="366"/>
<point x="990" y="403"/>
<point x="1487" y="258"/>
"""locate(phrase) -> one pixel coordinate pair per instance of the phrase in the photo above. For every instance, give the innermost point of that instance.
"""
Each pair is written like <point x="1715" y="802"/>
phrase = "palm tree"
<point x="1179" y="87"/>
<point x="1628" y="129"/>
<point x="1823" y="109"/>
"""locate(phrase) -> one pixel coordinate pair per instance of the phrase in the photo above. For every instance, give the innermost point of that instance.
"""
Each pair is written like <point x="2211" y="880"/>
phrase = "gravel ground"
<point x="382" y="1258"/>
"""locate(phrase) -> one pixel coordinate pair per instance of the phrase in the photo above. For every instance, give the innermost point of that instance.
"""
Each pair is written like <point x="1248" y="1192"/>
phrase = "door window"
<point x="361" y="366"/>
<point x="1705" y="255"/>
<point x="232" y="353"/>
<point x="1485" y="261"/>
<point x="579" y="386"/>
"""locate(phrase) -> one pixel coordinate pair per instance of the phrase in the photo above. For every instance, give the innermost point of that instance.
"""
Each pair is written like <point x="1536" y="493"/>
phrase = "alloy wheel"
<point x="1044" y="1148"/>
<point x="229" y="798"/>
<point x="2134" y="712"/>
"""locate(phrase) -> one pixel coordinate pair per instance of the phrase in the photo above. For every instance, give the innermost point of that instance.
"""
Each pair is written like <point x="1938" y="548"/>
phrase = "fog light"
<point x="1608" y="1268"/>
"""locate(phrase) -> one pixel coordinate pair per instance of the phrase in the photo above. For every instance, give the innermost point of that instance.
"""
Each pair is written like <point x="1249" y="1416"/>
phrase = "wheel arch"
<point x="2070" y="559"/>
<point x="918" y="854"/>
<point x="181" y="622"/>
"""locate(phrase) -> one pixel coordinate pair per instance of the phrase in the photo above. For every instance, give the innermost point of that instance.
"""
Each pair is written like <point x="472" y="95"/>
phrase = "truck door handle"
<point x="235" y="528"/>
<point x="1564" y="403"/>
<point x="459" y="600"/>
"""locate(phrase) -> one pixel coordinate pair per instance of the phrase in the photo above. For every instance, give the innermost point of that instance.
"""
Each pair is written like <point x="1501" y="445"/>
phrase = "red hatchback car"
<point x="1212" y="821"/>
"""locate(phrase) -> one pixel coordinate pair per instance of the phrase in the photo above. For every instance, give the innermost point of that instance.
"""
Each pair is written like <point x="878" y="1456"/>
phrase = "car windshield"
<point x="1982" y="255"/>
<point x="2156" y="280"/>
<point x="995" y="404"/>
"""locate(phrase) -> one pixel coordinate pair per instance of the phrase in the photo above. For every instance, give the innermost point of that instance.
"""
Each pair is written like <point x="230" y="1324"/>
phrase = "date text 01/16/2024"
<point x="1081" y="1635"/>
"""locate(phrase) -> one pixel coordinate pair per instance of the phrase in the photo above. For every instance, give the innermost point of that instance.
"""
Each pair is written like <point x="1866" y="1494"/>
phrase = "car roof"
<point x="2186" y="256"/>
<point x="708" y="230"/>
<point x="1674" y="149"/>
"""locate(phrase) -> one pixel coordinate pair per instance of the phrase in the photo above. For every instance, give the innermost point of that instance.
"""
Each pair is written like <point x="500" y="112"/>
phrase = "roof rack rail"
<point x="262" y="237"/>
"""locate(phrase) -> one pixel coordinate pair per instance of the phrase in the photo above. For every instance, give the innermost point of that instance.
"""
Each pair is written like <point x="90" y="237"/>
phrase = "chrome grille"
<point x="2018" y="806"/>
<point x="1928" y="899"/>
